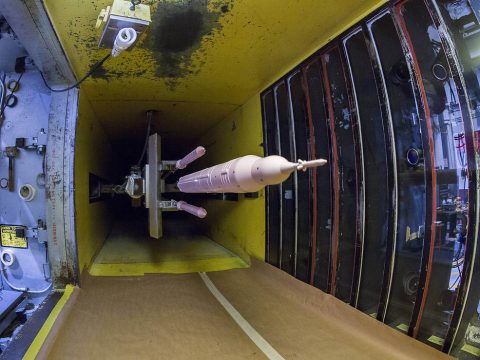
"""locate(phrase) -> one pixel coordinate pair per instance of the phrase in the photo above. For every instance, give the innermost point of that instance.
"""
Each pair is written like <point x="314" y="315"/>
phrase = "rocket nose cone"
<point x="304" y="165"/>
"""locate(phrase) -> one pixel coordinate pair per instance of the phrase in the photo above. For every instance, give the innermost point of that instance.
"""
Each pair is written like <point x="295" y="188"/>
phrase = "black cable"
<point x="453" y="98"/>
<point x="3" y="88"/>
<point x="149" y="118"/>
<point x="455" y="282"/>
<point x="87" y="75"/>
<point x="457" y="258"/>
<point x="3" y="91"/>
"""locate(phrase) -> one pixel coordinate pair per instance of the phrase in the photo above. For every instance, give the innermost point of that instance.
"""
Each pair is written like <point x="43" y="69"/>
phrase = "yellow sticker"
<point x="471" y="349"/>
<point x="436" y="340"/>
<point x="403" y="327"/>
<point x="13" y="236"/>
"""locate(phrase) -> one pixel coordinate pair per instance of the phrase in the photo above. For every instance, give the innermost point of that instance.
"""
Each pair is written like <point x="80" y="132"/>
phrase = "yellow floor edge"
<point x="168" y="267"/>
<point x="37" y="343"/>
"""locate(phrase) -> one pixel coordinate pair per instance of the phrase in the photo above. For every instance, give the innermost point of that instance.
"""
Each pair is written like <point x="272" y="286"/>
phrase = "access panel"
<point x="346" y="245"/>
<point x="322" y="208"/>
<point x="287" y="193"/>
<point x="303" y="196"/>
<point x="409" y="150"/>
<point x="378" y="174"/>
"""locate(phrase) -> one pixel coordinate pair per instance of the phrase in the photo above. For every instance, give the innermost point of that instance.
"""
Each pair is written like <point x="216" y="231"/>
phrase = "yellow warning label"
<point x="13" y="236"/>
<point x="436" y="340"/>
<point x="403" y="327"/>
<point x="471" y="349"/>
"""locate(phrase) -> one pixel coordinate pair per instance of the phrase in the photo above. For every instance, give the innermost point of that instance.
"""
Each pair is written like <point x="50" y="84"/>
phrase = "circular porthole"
<point x="440" y="72"/>
<point x="27" y="192"/>
<point x="7" y="257"/>
<point x="410" y="283"/>
<point x="413" y="157"/>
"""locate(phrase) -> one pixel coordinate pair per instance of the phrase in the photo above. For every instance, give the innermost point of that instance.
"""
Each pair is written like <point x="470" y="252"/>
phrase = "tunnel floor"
<point x="167" y="316"/>
<point x="129" y="251"/>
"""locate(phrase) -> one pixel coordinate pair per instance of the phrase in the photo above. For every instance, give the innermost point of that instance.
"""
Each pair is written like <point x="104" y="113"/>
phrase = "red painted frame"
<point x="415" y="323"/>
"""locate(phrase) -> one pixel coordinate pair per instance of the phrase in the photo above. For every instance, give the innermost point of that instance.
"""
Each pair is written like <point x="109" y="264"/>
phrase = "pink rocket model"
<point x="245" y="174"/>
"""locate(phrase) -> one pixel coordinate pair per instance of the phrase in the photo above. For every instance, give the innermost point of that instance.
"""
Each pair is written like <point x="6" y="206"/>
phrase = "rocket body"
<point x="241" y="175"/>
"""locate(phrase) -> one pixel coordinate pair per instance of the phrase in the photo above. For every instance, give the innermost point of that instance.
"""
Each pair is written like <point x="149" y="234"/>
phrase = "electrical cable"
<point x="453" y="98"/>
<point x="149" y="118"/>
<point x="454" y="283"/>
<point x="460" y="138"/>
<point x="461" y="147"/>
<point x="3" y="90"/>
<point x="44" y="167"/>
<point x="46" y="262"/>
<point x="457" y="265"/>
<point x="459" y="277"/>
<point x="458" y="256"/>
<point x="87" y="75"/>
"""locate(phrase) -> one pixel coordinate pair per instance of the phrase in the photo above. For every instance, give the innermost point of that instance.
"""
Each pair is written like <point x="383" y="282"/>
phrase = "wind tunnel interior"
<point x="118" y="232"/>
<point x="204" y="85"/>
<point x="386" y="91"/>
<point x="116" y="238"/>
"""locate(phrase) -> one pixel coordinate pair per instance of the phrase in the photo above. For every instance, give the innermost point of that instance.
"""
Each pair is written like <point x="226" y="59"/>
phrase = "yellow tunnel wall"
<point x="92" y="155"/>
<point x="213" y="88"/>
<point x="238" y="226"/>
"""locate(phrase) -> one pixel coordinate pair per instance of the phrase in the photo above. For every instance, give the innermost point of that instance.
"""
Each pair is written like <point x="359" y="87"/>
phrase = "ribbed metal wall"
<point x="390" y="224"/>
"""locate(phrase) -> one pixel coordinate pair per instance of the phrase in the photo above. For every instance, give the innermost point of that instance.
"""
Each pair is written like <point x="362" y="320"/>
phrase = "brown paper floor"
<point x="176" y="317"/>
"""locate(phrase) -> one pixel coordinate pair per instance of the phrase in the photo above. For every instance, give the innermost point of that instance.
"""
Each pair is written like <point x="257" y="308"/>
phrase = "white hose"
<point x="23" y="289"/>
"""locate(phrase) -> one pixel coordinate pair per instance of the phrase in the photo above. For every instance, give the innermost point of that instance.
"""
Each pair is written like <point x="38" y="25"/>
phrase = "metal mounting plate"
<point x="152" y="192"/>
